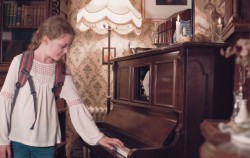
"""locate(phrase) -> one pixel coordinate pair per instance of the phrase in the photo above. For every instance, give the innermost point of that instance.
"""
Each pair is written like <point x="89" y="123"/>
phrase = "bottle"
<point x="238" y="96"/>
<point x="242" y="115"/>
<point x="129" y="50"/>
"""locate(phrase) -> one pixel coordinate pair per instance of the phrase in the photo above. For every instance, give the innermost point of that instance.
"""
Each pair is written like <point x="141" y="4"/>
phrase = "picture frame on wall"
<point x="171" y="2"/>
<point x="105" y="54"/>
<point x="153" y="12"/>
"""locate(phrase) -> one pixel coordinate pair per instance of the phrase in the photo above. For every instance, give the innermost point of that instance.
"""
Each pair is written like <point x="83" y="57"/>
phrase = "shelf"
<point x="20" y="27"/>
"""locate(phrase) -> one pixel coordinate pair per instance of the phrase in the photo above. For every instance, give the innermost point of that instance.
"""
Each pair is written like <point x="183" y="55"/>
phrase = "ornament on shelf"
<point x="242" y="115"/>
<point x="178" y="28"/>
<point x="219" y="30"/>
<point x="154" y="34"/>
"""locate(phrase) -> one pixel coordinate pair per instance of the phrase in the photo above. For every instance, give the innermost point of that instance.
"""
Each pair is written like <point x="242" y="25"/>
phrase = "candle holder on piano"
<point x="219" y="30"/>
<point x="154" y="37"/>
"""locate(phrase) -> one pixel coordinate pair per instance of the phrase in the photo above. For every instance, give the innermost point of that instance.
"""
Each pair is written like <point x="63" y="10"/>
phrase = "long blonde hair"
<point x="53" y="27"/>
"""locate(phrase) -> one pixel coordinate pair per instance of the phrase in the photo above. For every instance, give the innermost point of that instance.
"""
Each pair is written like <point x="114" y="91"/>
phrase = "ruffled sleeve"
<point x="81" y="118"/>
<point x="6" y="96"/>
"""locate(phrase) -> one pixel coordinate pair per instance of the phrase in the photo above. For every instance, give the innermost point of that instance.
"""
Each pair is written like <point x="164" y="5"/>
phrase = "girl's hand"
<point x="5" y="151"/>
<point x="110" y="143"/>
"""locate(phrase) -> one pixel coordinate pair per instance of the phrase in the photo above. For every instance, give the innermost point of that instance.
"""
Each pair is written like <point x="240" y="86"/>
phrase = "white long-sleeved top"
<point x="46" y="131"/>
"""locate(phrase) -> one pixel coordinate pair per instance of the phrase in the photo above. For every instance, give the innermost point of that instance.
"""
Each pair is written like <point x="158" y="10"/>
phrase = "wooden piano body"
<point x="188" y="83"/>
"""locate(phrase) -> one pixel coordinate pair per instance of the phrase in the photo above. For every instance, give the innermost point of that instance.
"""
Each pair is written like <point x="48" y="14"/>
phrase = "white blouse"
<point x="46" y="131"/>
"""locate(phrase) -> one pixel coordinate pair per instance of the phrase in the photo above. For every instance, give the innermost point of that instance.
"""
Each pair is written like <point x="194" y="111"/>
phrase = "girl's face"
<point x="58" y="47"/>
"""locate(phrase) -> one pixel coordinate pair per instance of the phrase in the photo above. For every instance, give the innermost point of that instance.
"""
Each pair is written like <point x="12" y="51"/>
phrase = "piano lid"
<point x="150" y="128"/>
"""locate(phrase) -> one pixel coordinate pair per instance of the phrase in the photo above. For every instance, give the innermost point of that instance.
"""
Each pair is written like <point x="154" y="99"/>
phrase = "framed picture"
<point x="158" y="10"/>
<point x="171" y="2"/>
<point x="105" y="54"/>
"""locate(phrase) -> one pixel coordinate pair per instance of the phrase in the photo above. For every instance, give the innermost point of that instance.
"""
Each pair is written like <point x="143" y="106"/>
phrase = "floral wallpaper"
<point x="85" y="60"/>
<point x="85" y="56"/>
<point x="207" y="13"/>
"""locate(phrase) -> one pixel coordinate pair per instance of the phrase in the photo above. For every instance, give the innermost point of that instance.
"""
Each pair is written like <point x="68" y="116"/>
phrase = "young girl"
<point x="49" y="43"/>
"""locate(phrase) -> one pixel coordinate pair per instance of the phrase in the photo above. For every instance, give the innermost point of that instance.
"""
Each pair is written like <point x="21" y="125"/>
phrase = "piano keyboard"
<point x="127" y="142"/>
<point x="122" y="151"/>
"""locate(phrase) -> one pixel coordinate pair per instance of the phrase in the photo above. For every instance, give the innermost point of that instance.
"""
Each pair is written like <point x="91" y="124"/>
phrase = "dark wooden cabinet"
<point x="16" y="30"/>
<point x="189" y="81"/>
<point x="236" y="20"/>
<point x="18" y="21"/>
<point x="3" y="71"/>
<point x="15" y="34"/>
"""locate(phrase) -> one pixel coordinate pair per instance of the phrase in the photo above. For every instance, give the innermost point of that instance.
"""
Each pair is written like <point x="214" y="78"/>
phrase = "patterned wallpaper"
<point x="85" y="60"/>
<point x="207" y="13"/>
<point x="85" y="57"/>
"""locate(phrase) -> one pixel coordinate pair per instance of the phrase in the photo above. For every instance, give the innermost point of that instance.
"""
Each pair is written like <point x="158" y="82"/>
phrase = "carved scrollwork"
<point x="55" y="7"/>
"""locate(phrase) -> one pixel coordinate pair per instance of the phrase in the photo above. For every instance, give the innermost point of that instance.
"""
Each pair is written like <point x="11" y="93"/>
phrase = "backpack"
<point x="24" y="75"/>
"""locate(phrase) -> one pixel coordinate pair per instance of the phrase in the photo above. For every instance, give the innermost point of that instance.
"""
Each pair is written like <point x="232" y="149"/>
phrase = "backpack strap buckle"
<point x="18" y="85"/>
<point x="60" y="84"/>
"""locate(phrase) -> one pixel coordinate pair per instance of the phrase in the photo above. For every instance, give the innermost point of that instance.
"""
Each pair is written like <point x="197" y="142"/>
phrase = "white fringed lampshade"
<point x="102" y="16"/>
<point x="120" y="15"/>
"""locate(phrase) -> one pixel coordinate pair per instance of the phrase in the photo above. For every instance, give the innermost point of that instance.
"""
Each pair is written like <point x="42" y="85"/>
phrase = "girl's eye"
<point x="63" y="46"/>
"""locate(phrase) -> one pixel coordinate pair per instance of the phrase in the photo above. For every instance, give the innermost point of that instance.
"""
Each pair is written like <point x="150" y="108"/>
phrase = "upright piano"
<point x="162" y="95"/>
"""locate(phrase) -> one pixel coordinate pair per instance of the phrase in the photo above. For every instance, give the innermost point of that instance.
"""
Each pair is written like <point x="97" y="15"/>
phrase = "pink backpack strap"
<point x="25" y="65"/>
<point x="59" y="79"/>
<point x="24" y="75"/>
